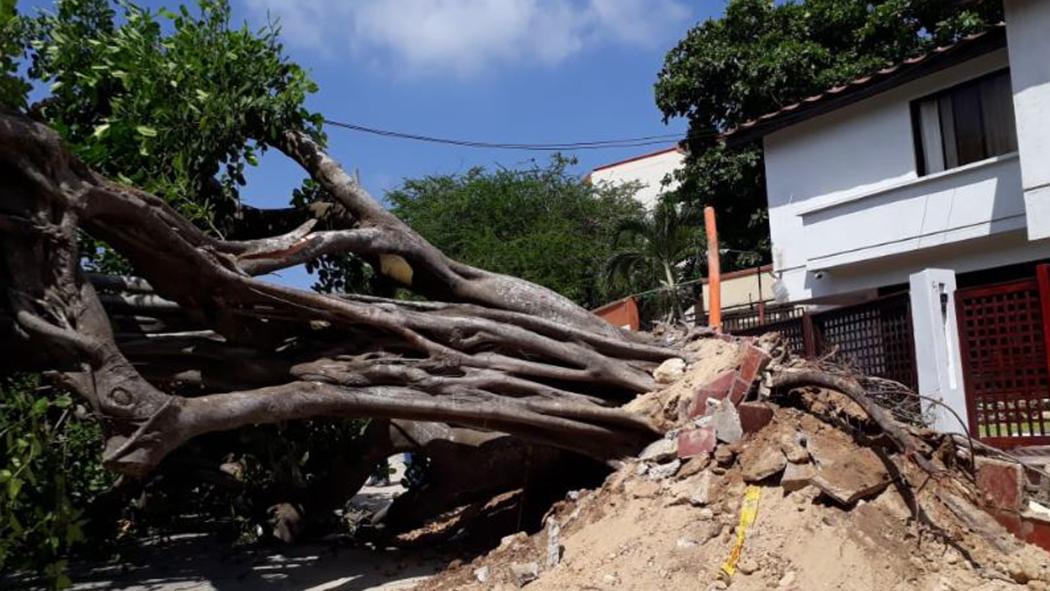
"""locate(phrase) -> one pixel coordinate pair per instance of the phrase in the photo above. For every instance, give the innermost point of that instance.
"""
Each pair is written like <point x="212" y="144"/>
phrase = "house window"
<point x="965" y="123"/>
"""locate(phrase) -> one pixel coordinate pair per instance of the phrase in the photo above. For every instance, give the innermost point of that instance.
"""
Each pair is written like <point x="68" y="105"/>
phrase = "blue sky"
<point x="488" y="70"/>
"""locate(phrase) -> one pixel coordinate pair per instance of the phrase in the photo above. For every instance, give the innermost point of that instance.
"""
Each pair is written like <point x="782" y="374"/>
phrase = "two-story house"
<point x="932" y="177"/>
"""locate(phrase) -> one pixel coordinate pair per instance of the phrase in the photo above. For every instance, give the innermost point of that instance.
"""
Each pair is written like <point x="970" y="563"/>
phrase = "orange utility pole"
<point x="714" y="273"/>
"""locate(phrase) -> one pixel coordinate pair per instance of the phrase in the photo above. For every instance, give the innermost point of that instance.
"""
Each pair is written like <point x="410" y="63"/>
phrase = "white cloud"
<point x="465" y="37"/>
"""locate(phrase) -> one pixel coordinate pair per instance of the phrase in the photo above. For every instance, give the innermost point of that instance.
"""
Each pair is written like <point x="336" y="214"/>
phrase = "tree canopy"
<point x="542" y="224"/>
<point x="179" y="103"/>
<point x="760" y="56"/>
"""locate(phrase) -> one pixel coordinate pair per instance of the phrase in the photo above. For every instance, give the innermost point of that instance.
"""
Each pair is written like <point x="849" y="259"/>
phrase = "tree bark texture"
<point x="197" y="342"/>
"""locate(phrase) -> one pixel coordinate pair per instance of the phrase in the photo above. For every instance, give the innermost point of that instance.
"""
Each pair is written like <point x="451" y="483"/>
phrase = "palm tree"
<point x="658" y="250"/>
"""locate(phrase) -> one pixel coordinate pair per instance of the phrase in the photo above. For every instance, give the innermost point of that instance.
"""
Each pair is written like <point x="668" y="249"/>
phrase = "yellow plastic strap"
<point x="748" y="513"/>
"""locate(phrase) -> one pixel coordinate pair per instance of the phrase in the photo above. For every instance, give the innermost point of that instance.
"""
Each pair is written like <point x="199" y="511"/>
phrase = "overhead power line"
<point x="634" y="142"/>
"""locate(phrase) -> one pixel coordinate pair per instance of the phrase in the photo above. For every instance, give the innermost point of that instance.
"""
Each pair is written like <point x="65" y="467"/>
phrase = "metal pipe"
<point x="761" y="300"/>
<point x="714" y="275"/>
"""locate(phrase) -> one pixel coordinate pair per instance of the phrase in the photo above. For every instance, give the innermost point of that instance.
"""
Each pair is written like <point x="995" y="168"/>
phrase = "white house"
<point x="929" y="176"/>
<point x="649" y="170"/>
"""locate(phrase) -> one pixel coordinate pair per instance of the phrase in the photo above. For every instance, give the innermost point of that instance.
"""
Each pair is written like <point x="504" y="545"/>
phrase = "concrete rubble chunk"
<point x="664" y="471"/>
<point x="724" y="455"/>
<point x="523" y="573"/>
<point x="685" y="543"/>
<point x="644" y="489"/>
<point x="1038" y="510"/>
<point x="702" y="492"/>
<point x="797" y="476"/>
<point x="845" y="472"/>
<point x="553" y="543"/>
<point x="791" y="445"/>
<point x="679" y="493"/>
<point x="748" y="566"/>
<point x="660" y="450"/>
<point x="669" y="371"/>
<point x="512" y="539"/>
<point x="726" y="422"/>
<point x="762" y="462"/>
<point x="693" y="466"/>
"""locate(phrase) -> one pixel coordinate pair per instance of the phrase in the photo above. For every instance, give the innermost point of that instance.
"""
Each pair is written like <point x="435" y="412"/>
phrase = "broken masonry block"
<point x="761" y="461"/>
<point x="755" y="360"/>
<point x="695" y="442"/>
<point x="846" y="473"/>
<point x="754" y="416"/>
<point x="716" y="389"/>
<point x="797" y="476"/>
<point x="1000" y="483"/>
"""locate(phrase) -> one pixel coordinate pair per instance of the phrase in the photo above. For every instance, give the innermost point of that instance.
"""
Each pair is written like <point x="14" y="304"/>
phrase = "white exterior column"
<point x="1027" y="23"/>
<point x="937" y="347"/>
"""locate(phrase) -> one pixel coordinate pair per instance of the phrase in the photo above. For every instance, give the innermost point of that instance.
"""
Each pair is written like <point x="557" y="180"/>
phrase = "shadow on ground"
<point x="203" y="562"/>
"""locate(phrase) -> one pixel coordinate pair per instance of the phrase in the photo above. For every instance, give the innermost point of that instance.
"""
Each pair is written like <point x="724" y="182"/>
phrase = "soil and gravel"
<point x="838" y="509"/>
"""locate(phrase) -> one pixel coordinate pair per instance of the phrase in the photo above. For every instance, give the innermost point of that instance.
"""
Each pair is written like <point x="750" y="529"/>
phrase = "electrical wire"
<point x="634" y="142"/>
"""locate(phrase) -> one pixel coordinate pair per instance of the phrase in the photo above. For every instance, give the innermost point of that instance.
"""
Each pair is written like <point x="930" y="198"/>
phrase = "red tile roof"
<point x="839" y="96"/>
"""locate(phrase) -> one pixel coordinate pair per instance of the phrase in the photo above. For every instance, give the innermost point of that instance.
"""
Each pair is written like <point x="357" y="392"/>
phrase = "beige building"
<point x="744" y="288"/>
<point x="649" y="170"/>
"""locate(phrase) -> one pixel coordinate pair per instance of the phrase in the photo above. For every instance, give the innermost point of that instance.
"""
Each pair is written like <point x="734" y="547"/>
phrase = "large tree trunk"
<point x="201" y="345"/>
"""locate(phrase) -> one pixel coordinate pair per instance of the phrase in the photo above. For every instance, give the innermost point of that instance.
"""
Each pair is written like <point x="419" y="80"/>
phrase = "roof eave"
<point x="866" y="87"/>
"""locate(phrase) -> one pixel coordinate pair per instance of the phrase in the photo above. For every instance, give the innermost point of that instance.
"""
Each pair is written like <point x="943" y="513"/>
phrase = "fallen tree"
<point x="201" y="344"/>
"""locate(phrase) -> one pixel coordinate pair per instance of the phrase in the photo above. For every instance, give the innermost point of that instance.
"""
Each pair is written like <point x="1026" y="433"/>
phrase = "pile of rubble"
<point x="796" y="491"/>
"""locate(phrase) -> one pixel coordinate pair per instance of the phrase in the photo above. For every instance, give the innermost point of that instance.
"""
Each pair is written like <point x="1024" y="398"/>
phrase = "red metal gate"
<point x="1003" y="340"/>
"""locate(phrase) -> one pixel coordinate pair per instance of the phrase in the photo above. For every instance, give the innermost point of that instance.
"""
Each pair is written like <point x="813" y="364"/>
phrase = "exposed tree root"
<point x="202" y="345"/>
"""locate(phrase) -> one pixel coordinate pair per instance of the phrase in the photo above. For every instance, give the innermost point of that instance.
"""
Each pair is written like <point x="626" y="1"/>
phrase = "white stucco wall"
<point x="937" y="355"/>
<point x="1028" y="36"/>
<point x="849" y="212"/>
<point x="648" y="170"/>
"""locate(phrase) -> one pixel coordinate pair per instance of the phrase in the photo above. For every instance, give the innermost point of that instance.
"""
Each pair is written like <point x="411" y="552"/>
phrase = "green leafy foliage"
<point x="660" y="250"/>
<point x="49" y="472"/>
<point x="177" y="103"/>
<point x="761" y="56"/>
<point x="541" y="224"/>
<point x="13" y="88"/>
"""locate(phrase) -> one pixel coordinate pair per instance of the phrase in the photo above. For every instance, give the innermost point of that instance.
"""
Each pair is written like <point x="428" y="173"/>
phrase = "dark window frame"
<point x="916" y="120"/>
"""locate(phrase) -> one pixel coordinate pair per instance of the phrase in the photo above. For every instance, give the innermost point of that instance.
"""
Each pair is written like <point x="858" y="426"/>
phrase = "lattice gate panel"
<point x="747" y="321"/>
<point x="874" y="337"/>
<point x="1002" y="340"/>
<point x="791" y="331"/>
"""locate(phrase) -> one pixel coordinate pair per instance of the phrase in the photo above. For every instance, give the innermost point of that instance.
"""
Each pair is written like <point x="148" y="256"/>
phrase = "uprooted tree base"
<point x="201" y="345"/>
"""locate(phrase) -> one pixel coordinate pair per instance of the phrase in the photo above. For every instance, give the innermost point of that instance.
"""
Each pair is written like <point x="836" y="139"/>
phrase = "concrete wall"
<point x="1028" y="36"/>
<point x="649" y="170"/>
<point x="740" y="288"/>
<point x="846" y="199"/>
<point x="937" y="353"/>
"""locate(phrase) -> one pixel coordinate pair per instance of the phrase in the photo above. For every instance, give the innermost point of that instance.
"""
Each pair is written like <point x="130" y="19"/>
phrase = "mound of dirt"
<point x="838" y="508"/>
